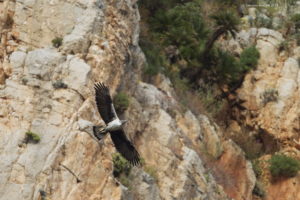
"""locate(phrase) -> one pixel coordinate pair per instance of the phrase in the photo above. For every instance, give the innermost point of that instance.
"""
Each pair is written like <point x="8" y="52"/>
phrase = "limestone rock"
<point x="2" y="76"/>
<point x="285" y="188"/>
<point x="30" y="102"/>
<point x="211" y="137"/>
<point x="246" y="38"/>
<point x="78" y="40"/>
<point x="77" y="75"/>
<point x="235" y="172"/>
<point x="171" y="152"/>
<point x="144" y="185"/>
<point x="39" y="22"/>
<point x="17" y="60"/>
<point x="100" y="43"/>
<point x="41" y="63"/>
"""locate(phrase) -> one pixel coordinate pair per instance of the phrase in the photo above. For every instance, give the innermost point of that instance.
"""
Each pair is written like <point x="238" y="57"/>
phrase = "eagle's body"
<point x="113" y="125"/>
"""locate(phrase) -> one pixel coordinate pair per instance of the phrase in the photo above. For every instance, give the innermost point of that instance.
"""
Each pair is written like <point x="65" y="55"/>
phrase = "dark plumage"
<point x="114" y="125"/>
<point x="104" y="103"/>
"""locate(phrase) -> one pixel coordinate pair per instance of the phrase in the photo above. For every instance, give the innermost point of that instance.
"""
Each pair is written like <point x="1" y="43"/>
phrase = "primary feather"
<point x="104" y="103"/>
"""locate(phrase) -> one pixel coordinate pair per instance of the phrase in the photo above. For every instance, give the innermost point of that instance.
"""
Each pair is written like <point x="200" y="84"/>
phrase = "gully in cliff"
<point x="113" y="125"/>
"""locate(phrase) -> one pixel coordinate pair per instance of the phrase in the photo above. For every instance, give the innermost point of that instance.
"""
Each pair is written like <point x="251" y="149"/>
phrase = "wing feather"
<point x="104" y="103"/>
<point x="125" y="147"/>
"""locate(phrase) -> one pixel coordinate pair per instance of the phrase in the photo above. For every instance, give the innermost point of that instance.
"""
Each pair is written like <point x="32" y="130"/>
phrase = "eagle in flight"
<point x="113" y="125"/>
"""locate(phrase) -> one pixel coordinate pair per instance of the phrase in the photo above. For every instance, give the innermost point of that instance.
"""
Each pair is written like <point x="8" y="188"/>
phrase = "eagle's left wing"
<point x="104" y="103"/>
<point x="125" y="147"/>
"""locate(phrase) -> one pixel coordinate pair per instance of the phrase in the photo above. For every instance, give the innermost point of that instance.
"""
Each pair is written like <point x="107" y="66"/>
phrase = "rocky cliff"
<point x="49" y="91"/>
<point x="269" y="101"/>
<point x="52" y="53"/>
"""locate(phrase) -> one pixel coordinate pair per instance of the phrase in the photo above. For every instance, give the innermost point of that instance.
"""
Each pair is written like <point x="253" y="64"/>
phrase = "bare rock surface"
<point x="49" y="91"/>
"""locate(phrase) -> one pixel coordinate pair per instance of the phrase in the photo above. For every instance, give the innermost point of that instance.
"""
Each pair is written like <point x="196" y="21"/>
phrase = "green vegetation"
<point x="230" y="70"/>
<point x="151" y="170"/>
<point x="121" y="102"/>
<point x="43" y="194"/>
<point x="57" y="42"/>
<point x="225" y="22"/>
<point x="284" y="46"/>
<point x="297" y="38"/>
<point x="249" y="58"/>
<point x="31" y="137"/>
<point x="121" y="165"/>
<point x="182" y="27"/>
<point x="282" y="165"/>
<point x="263" y="21"/>
<point x="122" y="169"/>
<point x="59" y="84"/>
<point x="250" y="143"/>
<point x="257" y="167"/>
<point x="155" y="59"/>
<point x="24" y="81"/>
<point x="269" y="95"/>
<point x="296" y="20"/>
<point x="179" y="39"/>
<point x="259" y="190"/>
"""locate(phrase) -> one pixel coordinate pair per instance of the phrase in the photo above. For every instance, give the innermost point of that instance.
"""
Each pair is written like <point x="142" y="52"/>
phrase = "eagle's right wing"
<point x="104" y="103"/>
<point x="125" y="147"/>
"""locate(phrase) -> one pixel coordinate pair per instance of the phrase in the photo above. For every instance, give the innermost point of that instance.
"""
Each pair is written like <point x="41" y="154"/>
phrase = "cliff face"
<point x="269" y="98"/>
<point x="49" y="91"/>
<point x="67" y="163"/>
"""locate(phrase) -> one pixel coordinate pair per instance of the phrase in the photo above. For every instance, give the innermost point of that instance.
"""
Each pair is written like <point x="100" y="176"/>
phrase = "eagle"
<point x="113" y="126"/>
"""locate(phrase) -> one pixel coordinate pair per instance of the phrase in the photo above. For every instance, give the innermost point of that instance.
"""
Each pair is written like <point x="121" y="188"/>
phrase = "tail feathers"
<point x="99" y="132"/>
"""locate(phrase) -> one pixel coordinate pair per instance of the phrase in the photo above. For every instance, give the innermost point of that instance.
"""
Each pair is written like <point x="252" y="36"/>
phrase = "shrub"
<point x="24" y="80"/>
<point x="263" y="20"/>
<point x="57" y="42"/>
<point x="121" y="165"/>
<point x="121" y="102"/>
<point x="230" y="2"/>
<point x="269" y="95"/>
<point x="249" y="143"/>
<point x="155" y="57"/>
<point x="282" y="165"/>
<point x="125" y="181"/>
<point x="249" y="58"/>
<point x="259" y="189"/>
<point x="230" y="69"/>
<point x="122" y="169"/>
<point x="296" y="20"/>
<point x="43" y="194"/>
<point x="59" y="84"/>
<point x="284" y="46"/>
<point x="151" y="171"/>
<point x="183" y="27"/>
<point x="297" y="38"/>
<point x="257" y="168"/>
<point x="208" y="97"/>
<point x="155" y="5"/>
<point x="31" y="137"/>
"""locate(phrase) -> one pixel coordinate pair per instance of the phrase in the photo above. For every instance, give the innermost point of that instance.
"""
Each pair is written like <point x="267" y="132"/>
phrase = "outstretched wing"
<point x="104" y="103"/>
<point x="125" y="147"/>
